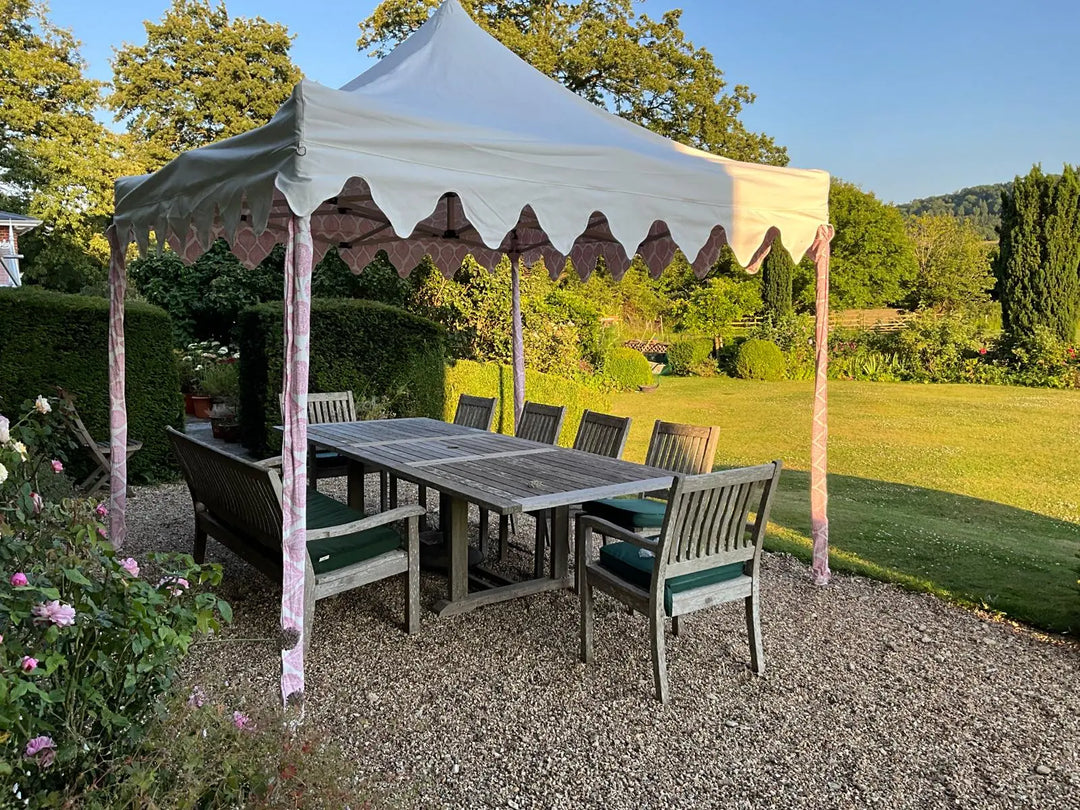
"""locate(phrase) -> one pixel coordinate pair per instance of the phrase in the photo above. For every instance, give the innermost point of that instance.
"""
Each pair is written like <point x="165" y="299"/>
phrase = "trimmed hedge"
<point x="495" y="380"/>
<point x="684" y="355"/>
<point x="760" y="360"/>
<point x="51" y="339"/>
<point x="628" y="369"/>
<point x="374" y="350"/>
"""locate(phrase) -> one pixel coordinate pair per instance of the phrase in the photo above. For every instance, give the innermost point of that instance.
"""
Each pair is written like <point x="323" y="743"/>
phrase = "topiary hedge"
<point x="685" y="357"/>
<point x="51" y="339"/>
<point x="628" y="369"/>
<point x="760" y="360"/>
<point x="495" y="380"/>
<point x="376" y="351"/>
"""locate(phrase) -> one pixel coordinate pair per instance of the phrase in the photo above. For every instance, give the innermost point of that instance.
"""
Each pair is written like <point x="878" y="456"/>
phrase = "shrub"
<point x="933" y="348"/>
<point x="51" y="339"/>
<point x="760" y="360"/>
<point x="371" y="349"/>
<point x="682" y="355"/>
<point x="1041" y="359"/>
<point x="794" y="334"/>
<point x="628" y="369"/>
<point x="495" y="380"/>
<point x="90" y="643"/>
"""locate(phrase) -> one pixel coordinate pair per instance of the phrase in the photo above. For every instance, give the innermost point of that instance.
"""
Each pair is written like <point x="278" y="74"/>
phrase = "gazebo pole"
<point x="819" y="492"/>
<point x="298" y="261"/>
<point x="517" y="341"/>
<point x="118" y="426"/>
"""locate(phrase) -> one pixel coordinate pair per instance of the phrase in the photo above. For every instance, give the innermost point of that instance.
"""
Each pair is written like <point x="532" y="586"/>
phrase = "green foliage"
<point x="978" y="207"/>
<point x="712" y="307"/>
<point x="371" y="349"/>
<point x="203" y="754"/>
<point x="200" y="77"/>
<point x="794" y="334"/>
<point x="90" y="643"/>
<point x="1041" y="359"/>
<point x="954" y="267"/>
<point x="689" y="356"/>
<point x="760" y="360"/>
<point x="1038" y="264"/>
<point x="640" y="68"/>
<point x="777" y="272"/>
<point x="50" y="339"/>
<point x="628" y="369"/>
<point x="221" y="381"/>
<point x="497" y="380"/>
<point x="379" y="281"/>
<point x="873" y="261"/>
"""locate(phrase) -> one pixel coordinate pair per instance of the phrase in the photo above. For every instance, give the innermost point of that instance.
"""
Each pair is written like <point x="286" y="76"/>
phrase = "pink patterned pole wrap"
<point x="819" y="490"/>
<point x="298" y="260"/>
<point x="118" y="425"/>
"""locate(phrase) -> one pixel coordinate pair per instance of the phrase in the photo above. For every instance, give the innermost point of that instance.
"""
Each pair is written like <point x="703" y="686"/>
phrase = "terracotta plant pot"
<point x="225" y="430"/>
<point x="189" y="403"/>
<point x="201" y="406"/>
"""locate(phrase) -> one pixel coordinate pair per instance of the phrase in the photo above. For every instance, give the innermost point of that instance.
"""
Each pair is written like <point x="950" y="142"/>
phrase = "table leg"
<point x="459" y="548"/>
<point x="560" y="542"/>
<point x="356" y="486"/>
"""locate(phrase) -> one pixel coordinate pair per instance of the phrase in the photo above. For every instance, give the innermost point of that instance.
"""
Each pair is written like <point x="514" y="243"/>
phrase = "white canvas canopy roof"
<point x="453" y="145"/>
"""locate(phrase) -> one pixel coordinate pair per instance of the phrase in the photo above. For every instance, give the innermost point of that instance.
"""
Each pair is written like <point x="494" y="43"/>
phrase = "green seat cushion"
<point x="337" y="552"/>
<point x="630" y="513"/>
<point x="626" y="562"/>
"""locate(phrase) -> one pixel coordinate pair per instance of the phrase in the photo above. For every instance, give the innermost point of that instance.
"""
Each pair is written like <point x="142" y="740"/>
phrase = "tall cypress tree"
<point x="776" y="277"/>
<point x="1038" y="265"/>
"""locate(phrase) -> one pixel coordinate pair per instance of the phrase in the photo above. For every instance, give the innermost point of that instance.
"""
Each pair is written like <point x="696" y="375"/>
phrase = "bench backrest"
<point x="705" y="525"/>
<point x="475" y="412"/>
<point x="243" y="496"/>
<point x="322" y="409"/>
<point x="602" y="434"/>
<point x="685" y="449"/>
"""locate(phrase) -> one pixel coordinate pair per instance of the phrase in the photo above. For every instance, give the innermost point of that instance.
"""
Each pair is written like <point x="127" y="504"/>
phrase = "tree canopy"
<point x="641" y="68"/>
<point x="953" y="261"/>
<point x="201" y="76"/>
<point x="978" y="205"/>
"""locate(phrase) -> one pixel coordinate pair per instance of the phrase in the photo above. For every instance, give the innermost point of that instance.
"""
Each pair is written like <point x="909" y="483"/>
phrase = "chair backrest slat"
<point x="322" y="409"/>
<point x="540" y="423"/>
<point x="475" y="412"/>
<point x="683" y="449"/>
<point x="242" y="495"/>
<point x="706" y="521"/>
<point x="602" y="434"/>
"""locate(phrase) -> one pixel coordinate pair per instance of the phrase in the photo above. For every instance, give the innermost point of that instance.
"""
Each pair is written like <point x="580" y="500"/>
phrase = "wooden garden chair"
<point x="100" y="452"/>
<point x="474" y="412"/>
<point x="322" y="409"/>
<point x="683" y="449"/>
<point x="707" y="553"/>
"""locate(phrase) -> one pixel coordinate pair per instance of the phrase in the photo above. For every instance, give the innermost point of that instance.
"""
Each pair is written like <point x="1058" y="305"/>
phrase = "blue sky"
<point x="905" y="99"/>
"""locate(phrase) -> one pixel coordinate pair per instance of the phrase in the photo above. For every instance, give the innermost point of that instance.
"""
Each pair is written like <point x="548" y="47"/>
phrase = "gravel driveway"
<point x="872" y="697"/>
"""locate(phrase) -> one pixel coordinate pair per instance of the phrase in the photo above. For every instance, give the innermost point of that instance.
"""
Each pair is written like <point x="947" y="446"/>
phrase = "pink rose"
<point x="28" y="664"/>
<point x="101" y="510"/>
<point x="38" y="501"/>
<point x="175" y="585"/>
<point x="43" y="748"/>
<point x="19" y="580"/>
<point x="57" y="467"/>
<point x="130" y="566"/>
<point x="241" y="721"/>
<point x="55" y="612"/>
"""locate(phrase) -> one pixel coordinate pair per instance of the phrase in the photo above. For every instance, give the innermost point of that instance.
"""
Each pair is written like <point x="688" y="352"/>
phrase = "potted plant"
<point x="189" y="381"/>
<point x="221" y="383"/>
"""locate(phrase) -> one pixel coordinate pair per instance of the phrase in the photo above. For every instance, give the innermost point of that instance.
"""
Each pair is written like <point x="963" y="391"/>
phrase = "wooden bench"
<point x="238" y="503"/>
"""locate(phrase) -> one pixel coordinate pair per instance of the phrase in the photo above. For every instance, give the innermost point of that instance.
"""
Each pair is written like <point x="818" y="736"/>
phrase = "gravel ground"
<point x="873" y="696"/>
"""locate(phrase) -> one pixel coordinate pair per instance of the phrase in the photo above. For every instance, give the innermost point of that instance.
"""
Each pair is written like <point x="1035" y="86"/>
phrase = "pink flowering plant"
<point x="34" y="442"/>
<point x="89" y="641"/>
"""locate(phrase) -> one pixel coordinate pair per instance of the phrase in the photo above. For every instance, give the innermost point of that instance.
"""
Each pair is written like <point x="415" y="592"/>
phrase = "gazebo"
<point x="451" y="146"/>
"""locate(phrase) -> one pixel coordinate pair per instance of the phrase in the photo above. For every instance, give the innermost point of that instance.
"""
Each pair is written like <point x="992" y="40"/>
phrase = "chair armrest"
<point x="381" y="519"/>
<point x="610" y="529"/>
<point x="269" y="463"/>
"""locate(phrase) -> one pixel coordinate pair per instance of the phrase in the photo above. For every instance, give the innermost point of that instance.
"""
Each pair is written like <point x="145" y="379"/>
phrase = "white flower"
<point x="41" y="405"/>
<point x="19" y="448"/>
<point x="5" y="433"/>
<point x="223" y="350"/>
<point x="198" y="367"/>
<point x="3" y="473"/>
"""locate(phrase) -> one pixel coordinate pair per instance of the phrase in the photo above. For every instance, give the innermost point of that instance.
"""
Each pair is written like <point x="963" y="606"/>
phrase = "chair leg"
<point x="675" y="626"/>
<point x="585" y="592"/>
<point x="659" y="658"/>
<point x="199" y="551"/>
<point x="412" y="585"/>
<point x="540" y="544"/>
<point x="309" y="604"/>
<point x="393" y="492"/>
<point x="421" y="498"/>
<point x="485" y="534"/>
<point x="753" y="631"/>
<point x="384" y="490"/>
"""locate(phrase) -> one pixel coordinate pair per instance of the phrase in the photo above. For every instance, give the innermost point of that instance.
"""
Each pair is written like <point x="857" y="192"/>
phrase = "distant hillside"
<point x="979" y="204"/>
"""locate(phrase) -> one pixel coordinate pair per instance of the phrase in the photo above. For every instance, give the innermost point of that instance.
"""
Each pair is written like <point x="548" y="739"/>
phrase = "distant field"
<point x="972" y="492"/>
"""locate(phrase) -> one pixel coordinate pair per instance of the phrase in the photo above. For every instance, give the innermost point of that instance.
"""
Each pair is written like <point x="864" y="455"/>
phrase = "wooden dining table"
<point x="503" y="474"/>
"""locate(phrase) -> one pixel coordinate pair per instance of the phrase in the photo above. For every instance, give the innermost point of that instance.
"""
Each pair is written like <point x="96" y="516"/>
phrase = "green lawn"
<point x="972" y="492"/>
